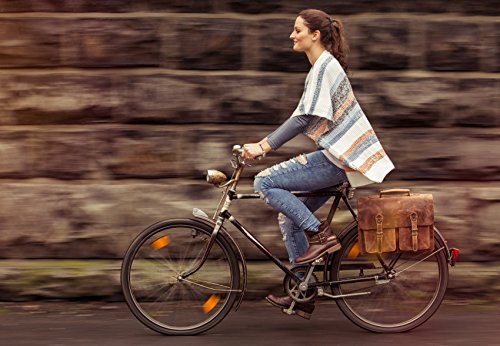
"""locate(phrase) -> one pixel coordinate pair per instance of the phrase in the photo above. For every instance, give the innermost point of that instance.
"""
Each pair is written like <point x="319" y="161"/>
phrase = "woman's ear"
<point x="316" y="35"/>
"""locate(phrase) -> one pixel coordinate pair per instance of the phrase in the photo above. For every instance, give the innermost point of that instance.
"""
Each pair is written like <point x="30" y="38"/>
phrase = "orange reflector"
<point x="210" y="303"/>
<point x="354" y="252"/>
<point x="160" y="242"/>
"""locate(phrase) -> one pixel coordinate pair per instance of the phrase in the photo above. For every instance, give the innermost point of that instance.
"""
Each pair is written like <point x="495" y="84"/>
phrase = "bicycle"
<point x="183" y="276"/>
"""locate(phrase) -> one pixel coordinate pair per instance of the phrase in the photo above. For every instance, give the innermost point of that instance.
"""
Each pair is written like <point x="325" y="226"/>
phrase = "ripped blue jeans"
<point x="307" y="172"/>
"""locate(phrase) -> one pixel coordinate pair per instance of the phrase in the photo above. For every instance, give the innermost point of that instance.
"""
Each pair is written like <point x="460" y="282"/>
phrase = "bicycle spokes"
<point x="161" y="297"/>
<point x="404" y="288"/>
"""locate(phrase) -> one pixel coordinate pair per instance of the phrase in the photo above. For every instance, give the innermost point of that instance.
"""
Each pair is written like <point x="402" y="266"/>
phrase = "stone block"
<point x="145" y="153"/>
<point x="467" y="7"/>
<point x="276" y="52"/>
<point x="15" y="160"/>
<point x="453" y="46"/>
<point x="225" y="98"/>
<point x="256" y="99"/>
<point x="62" y="98"/>
<point x="483" y="8"/>
<point x="180" y="5"/>
<point x="431" y="101"/>
<point x="28" y="6"/>
<point x="380" y="43"/>
<point x="252" y="7"/>
<point x="96" y="153"/>
<point x="446" y="154"/>
<point x="71" y="6"/>
<point x="210" y="44"/>
<point x="480" y="108"/>
<point x="485" y="222"/>
<point x="412" y="102"/>
<point x="172" y="98"/>
<point x="111" y="42"/>
<point x="343" y="6"/>
<point x="30" y="42"/>
<point x="496" y="53"/>
<point x="38" y="42"/>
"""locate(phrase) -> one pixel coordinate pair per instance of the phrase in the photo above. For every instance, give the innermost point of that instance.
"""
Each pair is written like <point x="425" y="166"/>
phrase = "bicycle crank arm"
<point x="322" y="293"/>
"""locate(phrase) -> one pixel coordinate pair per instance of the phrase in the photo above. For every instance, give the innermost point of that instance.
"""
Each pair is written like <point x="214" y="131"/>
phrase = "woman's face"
<point x="302" y="38"/>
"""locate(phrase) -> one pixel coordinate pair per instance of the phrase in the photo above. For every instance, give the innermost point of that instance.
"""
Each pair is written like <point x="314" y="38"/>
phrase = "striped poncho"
<point x="339" y="125"/>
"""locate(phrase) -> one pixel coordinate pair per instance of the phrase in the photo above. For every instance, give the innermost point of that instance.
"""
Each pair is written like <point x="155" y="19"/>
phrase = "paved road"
<point x="256" y="323"/>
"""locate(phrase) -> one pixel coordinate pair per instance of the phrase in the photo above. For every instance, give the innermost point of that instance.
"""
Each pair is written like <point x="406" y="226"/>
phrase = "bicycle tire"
<point x="396" y="305"/>
<point x="155" y="295"/>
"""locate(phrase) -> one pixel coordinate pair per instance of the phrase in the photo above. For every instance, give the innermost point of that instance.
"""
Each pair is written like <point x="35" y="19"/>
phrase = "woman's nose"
<point x="292" y="35"/>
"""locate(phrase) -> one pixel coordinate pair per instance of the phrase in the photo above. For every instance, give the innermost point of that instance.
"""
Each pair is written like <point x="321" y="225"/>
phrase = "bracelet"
<point x="263" y="151"/>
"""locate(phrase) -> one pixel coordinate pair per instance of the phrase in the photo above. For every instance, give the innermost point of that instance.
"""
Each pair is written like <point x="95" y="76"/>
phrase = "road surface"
<point x="255" y="323"/>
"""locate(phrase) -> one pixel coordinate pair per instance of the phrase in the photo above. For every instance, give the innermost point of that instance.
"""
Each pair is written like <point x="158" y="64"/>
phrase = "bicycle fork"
<point x="213" y="236"/>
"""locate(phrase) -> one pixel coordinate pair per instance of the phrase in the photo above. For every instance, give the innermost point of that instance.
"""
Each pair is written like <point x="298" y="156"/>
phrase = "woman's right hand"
<point x="252" y="151"/>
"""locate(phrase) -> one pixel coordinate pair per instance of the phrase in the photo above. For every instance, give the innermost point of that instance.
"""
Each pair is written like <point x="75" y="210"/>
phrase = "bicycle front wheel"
<point x="388" y="304"/>
<point x="162" y="300"/>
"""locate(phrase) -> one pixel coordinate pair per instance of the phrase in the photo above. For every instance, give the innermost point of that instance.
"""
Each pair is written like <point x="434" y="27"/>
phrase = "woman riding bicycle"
<point x="348" y="149"/>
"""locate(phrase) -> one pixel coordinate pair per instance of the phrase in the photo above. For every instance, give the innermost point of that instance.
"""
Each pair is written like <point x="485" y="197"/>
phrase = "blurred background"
<point x="111" y="111"/>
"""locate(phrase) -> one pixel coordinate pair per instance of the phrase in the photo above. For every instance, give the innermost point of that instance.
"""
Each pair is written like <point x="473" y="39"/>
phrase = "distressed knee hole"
<point x="302" y="159"/>
<point x="264" y="173"/>
<point x="281" y="218"/>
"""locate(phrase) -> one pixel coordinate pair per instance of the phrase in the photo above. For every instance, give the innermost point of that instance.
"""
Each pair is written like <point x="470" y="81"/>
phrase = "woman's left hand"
<point x="252" y="151"/>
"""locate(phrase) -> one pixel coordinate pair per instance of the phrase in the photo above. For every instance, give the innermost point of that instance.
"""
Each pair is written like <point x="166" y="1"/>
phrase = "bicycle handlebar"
<point x="237" y="150"/>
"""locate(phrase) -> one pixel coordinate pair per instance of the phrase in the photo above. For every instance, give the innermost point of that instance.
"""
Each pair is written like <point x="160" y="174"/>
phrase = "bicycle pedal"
<point x="299" y="313"/>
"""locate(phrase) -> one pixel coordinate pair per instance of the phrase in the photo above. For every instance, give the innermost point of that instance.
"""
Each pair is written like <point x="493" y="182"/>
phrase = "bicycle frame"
<point x="222" y="213"/>
<point x="342" y="192"/>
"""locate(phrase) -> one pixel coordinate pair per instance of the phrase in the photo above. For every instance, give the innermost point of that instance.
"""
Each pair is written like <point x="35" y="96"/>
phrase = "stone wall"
<point x="111" y="111"/>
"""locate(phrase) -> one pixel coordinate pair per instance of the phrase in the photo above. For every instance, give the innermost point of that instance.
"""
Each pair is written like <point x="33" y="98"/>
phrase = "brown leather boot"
<point x="303" y="310"/>
<point x="321" y="242"/>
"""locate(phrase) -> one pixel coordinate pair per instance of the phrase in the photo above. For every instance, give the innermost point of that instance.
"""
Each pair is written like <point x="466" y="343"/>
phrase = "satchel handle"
<point x="386" y="192"/>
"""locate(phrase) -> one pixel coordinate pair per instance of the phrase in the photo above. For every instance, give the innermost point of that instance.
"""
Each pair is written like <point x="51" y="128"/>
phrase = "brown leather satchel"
<point x="392" y="222"/>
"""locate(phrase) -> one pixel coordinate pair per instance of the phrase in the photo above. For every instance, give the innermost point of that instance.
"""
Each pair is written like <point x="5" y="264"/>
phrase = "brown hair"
<point x="332" y="33"/>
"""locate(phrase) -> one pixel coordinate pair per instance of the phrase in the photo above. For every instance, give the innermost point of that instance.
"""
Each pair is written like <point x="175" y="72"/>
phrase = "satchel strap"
<point x="414" y="230"/>
<point x="380" y="234"/>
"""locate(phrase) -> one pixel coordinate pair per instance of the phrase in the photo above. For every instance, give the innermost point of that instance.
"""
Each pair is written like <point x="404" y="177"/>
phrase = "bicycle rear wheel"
<point x="159" y="298"/>
<point x="392" y="305"/>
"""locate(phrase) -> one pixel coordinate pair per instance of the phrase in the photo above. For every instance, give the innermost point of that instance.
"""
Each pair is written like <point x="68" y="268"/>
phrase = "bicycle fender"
<point x="445" y="244"/>
<point x="241" y="259"/>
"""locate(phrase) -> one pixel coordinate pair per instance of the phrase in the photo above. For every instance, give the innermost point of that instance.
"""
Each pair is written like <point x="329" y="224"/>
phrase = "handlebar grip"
<point x="237" y="149"/>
